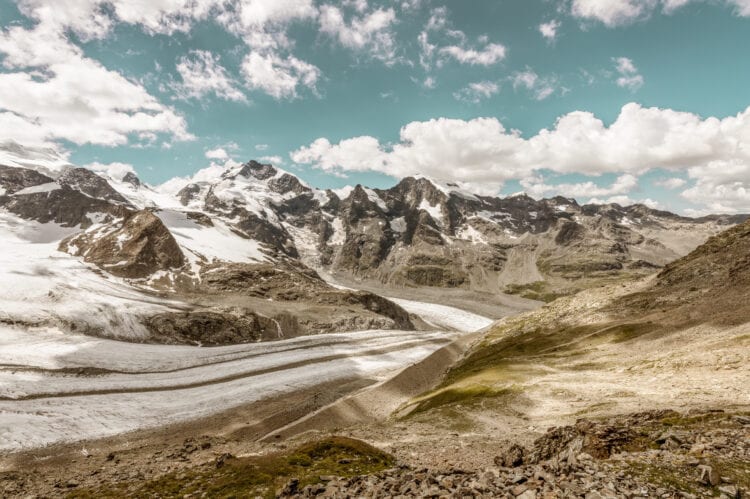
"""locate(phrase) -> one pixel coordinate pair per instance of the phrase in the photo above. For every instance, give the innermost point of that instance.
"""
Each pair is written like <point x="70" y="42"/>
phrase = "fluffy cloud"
<point x="91" y="18"/>
<point x="114" y="170"/>
<point x="489" y="54"/>
<point x="628" y="74"/>
<point x="540" y="88"/>
<point x="549" y="30"/>
<point x="279" y="77"/>
<point x="273" y="160"/>
<point x="614" y="13"/>
<point x="715" y="152"/>
<point x="722" y="185"/>
<point x="475" y="92"/>
<point x="439" y="43"/>
<point x="52" y="92"/>
<point x="370" y="32"/>
<point x="219" y="154"/>
<point x="671" y="183"/>
<point x="202" y="74"/>
<point x="261" y="24"/>
<point x="536" y="186"/>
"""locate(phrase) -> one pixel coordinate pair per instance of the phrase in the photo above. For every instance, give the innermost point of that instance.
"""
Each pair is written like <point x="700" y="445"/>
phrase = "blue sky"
<point x="652" y="95"/>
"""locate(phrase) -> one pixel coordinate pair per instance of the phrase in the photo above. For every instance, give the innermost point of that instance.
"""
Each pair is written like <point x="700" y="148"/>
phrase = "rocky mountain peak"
<point x="136" y="248"/>
<point x="415" y="190"/>
<point x="258" y="170"/>
<point x="132" y="179"/>
<point x="91" y="184"/>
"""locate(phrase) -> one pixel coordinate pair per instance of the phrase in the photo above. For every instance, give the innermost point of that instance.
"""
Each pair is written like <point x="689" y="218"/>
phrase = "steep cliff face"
<point x="137" y="248"/>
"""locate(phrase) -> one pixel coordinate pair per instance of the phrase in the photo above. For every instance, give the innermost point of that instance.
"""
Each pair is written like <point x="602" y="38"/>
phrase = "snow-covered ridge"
<point x="47" y="161"/>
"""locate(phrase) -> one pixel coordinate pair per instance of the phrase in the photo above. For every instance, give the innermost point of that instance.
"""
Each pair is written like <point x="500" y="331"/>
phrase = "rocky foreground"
<point x="652" y="454"/>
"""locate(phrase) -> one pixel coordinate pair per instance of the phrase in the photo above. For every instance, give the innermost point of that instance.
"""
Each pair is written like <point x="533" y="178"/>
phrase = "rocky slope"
<point x="676" y="340"/>
<point x="648" y="454"/>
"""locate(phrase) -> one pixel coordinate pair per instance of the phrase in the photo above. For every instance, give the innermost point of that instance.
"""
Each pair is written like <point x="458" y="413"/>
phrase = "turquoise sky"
<point x="692" y="59"/>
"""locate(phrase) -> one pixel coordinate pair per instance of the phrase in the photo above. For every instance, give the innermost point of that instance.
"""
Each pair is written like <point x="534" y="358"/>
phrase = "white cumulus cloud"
<point x="549" y="30"/>
<point x="219" y="154"/>
<point x="369" y="32"/>
<point x="202" y="74"/>
<point x="279" y="77"/>
<point x="613" y="13"/>
<point x="52" y="91"/>
<point x="715" y="152"/>
<point x="487" y="55"/>
<point x="629" y="77"/>
<point x="540" y="88"/>
<point x="477" y="91"/>
<point x="671" y="183"/>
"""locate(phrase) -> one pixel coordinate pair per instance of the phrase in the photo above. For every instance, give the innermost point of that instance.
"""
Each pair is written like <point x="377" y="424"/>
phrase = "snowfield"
<point x="152" y="385"/>
<point x="43" y="286"/>
<point x="442" y="316"/>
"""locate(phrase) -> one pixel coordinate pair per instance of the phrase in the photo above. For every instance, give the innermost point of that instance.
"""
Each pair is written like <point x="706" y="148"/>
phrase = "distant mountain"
<point x="243" y="248"/>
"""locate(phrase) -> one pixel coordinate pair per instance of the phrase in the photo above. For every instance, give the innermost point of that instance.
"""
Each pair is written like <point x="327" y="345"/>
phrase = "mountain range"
<point x="248" y="252"/>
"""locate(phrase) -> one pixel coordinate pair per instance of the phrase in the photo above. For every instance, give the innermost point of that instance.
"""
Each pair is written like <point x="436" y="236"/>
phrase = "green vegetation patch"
<point x="535" y="291"/>
<point x="258" y="476"/>
<point x="464" y="395"/>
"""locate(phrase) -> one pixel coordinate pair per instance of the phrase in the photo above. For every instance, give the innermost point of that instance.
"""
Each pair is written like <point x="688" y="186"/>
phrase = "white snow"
<point x="343" y="192"/>
<point x="398" y="224"/>
<point x="217" y="242"/>
<point x="339" y="233"/>
<point x="469" y="233"/>
<point x="450" y="188"/>
<point x="492" y="216"/>
<point x="306" y="242"/>
<point x="373" y="196"/>
<point x="434" y="210"/>
<point x="443" y="316"/>
<point x="44" y="286"/>
<point x="44" y="160"/>
<point x="34" y="189"/>
<point x="66" y="408"/>
<point x="2" y="190"/>
<point x="321" y="196"/>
